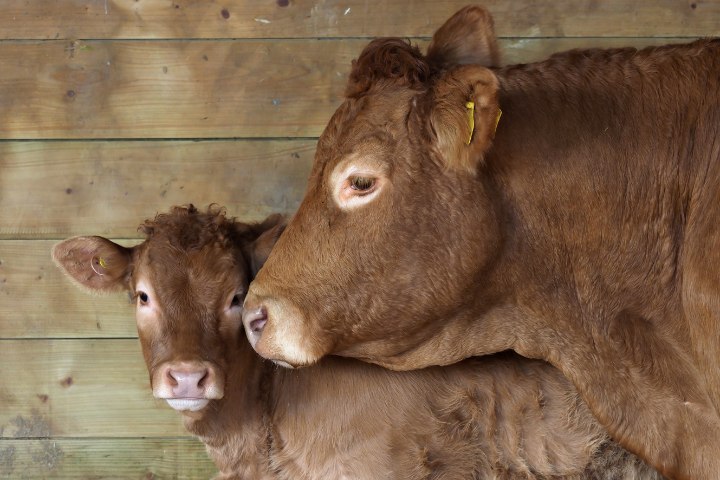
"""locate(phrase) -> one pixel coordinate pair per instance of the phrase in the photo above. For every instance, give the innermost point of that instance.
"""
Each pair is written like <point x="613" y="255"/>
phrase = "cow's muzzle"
<point x="276" y="330"/>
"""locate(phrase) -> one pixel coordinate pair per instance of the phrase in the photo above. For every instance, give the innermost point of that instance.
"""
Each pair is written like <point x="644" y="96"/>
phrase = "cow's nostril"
<point x="258" y="324"/>
<point x="255" y="319"/>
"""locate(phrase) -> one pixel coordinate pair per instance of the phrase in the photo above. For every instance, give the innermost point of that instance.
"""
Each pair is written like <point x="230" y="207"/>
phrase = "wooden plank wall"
<point x="113" y="110"/>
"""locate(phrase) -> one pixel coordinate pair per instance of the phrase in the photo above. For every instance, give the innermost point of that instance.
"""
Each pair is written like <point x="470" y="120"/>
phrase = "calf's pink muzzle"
<point x="187" y="386"/>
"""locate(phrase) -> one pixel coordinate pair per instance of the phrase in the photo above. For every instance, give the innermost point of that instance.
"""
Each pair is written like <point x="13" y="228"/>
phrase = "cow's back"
<point x="653" y="111"/>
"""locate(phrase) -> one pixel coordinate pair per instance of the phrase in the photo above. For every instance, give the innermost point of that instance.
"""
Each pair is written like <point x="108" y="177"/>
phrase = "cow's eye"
<point x="354" y="185"/>
<point x="143" y="297"/>
<point x="362" y="184"/>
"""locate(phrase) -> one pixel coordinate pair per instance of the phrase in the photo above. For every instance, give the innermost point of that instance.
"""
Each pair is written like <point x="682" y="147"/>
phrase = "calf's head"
<point x="188" y="280"/>
<point x="395" y="219"/>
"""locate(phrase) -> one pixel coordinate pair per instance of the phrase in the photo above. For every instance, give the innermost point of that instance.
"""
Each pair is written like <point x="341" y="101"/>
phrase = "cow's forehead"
<point x="370" y="123"/>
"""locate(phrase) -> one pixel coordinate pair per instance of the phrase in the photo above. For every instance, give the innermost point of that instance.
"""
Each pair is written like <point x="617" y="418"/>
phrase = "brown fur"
<point x="584" y="233"/>
<point x="501" y="417"/>
<point x="387" y="60"/>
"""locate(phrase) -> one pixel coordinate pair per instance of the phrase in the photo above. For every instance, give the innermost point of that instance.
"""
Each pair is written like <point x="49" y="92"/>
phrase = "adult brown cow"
<point x="501" y="417"/>
<point x="584" y="233"/>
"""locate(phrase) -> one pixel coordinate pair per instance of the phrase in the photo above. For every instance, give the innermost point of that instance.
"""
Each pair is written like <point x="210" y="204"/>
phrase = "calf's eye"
<point x="362" y="184"/>
<point x="236" y="301"/>
<point x="143" y="298"/>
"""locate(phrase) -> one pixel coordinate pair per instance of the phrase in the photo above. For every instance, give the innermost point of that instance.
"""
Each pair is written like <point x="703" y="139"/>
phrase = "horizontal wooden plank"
<point x="60" y="189"/>
<point x="355" y="18"/>
<point x="199" y="89"/>
<point x="79" y="388"/>
<point x="169" y="89"/>
<point x="37" y="301"/>
<point x="105" y="459"/>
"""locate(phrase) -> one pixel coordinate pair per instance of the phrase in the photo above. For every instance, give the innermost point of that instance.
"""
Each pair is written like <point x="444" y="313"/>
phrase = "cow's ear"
<point x="464" y="113"/>
<point x="467" y="38"/>
<point x="95" y="264"/>
<point x="259" y="250"/>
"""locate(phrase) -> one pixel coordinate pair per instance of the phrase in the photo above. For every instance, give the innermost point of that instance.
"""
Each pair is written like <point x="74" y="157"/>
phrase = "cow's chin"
<point x="280" y="363"/>
<point x="286" y="351"/>
<point x="285" y="359"/>
<point x="183" y="405"/>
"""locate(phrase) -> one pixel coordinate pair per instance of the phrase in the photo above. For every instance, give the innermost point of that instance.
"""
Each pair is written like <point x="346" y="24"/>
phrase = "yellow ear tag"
<point x="471" y="119"/>
<point x="99" y="261"/>
<point x="497" y="120"/>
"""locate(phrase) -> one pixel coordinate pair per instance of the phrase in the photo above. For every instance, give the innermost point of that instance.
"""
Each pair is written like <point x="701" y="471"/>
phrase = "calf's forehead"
<point x="206" y="274"/>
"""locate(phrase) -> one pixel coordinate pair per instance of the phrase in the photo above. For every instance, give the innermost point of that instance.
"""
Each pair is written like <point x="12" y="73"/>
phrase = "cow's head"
<point x="396" y="219"/>
<point x="188" y="280"/>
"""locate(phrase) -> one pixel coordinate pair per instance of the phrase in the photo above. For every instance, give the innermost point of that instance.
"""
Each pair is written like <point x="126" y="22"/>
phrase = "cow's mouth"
<point x="282" y="364"/>
<point x="187" y="404"/>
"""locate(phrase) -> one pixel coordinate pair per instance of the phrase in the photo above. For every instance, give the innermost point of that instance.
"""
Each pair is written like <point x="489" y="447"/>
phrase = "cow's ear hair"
<point x="259" y="250"/>
<point x="95" y="264"/>
<point x="463" y="116"/>
<point x="467" y="38"/>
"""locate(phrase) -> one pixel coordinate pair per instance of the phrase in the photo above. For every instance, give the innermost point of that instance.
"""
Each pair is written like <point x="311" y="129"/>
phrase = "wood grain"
<point x="79" y="388"/>
<point x="37" y="301"/>
<point x="178" y="458"/>
<point x="101" y="106"/>
<point x="169" y="89"/>
<point x="70" y="19"/>
<point x="192" y="89"/>
<point x="59" y="189"/>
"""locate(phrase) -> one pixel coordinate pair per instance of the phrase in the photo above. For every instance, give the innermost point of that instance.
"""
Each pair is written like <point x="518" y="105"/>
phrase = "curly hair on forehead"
<point x="188" y="228"/>
<point x="389" y="58"/>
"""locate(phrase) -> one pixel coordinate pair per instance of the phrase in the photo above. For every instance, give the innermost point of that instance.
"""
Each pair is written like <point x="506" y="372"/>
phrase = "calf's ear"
<point x="95" y="264"/>
<point x="464" y="113"/>
<point x="468" y="37"/>
<point x="259" y="250"/>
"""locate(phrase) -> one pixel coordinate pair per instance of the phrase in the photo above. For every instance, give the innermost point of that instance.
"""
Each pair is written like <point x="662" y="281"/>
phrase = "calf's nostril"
<point x="201" y="382"/>
<point x="171" y="378"/>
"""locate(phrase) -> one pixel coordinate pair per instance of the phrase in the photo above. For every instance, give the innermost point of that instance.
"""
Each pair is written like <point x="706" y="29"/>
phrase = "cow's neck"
<point x="596" y="217"/>
<point x="599" y="209"/>
<point x="592" y="204"/>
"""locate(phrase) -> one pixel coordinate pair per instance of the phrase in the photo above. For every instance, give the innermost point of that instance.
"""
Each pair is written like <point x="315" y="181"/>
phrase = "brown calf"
<point x="584" y="231"/>
<point x="495" y="417"/>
